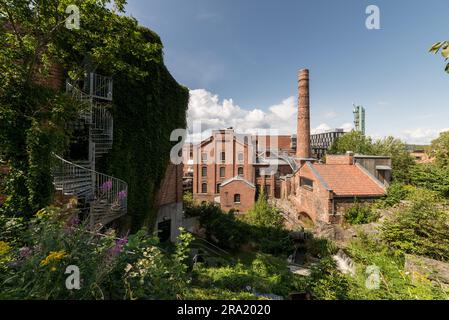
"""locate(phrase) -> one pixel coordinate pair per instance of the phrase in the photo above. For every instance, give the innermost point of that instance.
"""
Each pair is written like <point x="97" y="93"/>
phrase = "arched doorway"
<point x="305" y="218"/>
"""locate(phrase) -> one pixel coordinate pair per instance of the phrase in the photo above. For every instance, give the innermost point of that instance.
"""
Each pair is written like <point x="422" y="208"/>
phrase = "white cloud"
<point x="206" y="108"/>
<point x="321" y="128"/>
<point x="421" y="135"/>
<point x="324" y="127"/>
<point x="347" y="126"/>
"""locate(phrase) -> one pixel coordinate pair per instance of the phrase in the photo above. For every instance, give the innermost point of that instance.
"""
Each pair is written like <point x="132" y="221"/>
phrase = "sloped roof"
<point x="348" y="180"/>
<point x="237" y="178"/>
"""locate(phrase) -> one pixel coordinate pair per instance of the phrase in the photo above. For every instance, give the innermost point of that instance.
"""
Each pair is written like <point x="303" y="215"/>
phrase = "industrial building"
<point x="321" y="142"/>
<point x="231" y="169"/>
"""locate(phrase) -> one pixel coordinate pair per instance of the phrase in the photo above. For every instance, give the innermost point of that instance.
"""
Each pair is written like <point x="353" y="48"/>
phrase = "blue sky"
<point x="240" y="59"/>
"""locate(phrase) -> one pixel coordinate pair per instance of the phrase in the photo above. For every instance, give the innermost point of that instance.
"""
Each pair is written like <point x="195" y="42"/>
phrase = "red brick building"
<point x="322" y="192"/>
<point x="230" y="169"/>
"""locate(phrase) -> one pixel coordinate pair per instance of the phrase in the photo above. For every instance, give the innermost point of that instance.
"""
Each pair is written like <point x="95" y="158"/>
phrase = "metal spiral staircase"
<point x="104" y="197"/>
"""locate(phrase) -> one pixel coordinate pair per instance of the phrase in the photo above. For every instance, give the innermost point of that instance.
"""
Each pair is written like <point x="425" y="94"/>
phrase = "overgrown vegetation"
<point x="148" y="103"/>
<point x="33" y="261"/>
<point x="420" y="229"/>
<point x="393" y="282"/>
<point x="360" y="214"/>
<point x="261" y="227"/>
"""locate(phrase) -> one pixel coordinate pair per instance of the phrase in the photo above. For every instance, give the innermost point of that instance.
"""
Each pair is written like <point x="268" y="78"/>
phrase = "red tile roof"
<point x="348" y="180"/>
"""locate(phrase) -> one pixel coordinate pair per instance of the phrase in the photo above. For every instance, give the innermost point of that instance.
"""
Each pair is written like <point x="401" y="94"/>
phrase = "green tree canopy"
<point x="443" y="48"/>
<point x="357" y="142"/>
<point x="440" y="149"/>
<point x="352" y="141"/>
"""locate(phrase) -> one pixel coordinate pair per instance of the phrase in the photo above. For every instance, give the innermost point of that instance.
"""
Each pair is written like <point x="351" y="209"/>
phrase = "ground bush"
<point x="255" y="273"/>
<point x="231" y="232"/>
<point x="393" y="282"/>
<point x="110" y="268"/>
<point x="360" y="214"/>
<point x="421" y="228"/>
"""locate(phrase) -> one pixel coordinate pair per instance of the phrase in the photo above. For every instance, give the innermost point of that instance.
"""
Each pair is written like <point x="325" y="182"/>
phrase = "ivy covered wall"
<point x="146" y="111"/>
<point x="148" y="103"/>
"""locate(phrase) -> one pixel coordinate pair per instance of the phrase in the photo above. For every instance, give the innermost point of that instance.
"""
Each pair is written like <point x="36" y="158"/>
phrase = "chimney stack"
<point x="303" y="125"/>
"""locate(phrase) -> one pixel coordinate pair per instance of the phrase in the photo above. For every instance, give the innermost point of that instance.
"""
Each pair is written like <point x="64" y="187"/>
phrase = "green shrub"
<point x="262" y="214"/>
<point x="420" y="229"/>
<point x="431" y="177"/>
<point x="259" y="273"/>
<point x="222" y="228"/>
<point x="395" y="193"/>
<point x="394" y="282"/>
<point x="326" y="282"/>
<point x="360" y="214"/>
<point x="110" y="268"/>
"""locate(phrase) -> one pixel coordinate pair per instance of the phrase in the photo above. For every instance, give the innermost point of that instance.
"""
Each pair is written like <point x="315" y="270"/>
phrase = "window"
<point x="240" y="171"/>
<point x="307" y="183"/>
<point x="236" y="198"/>
<point x="204" y="157"/>
<point x="240" y="157"/>
<point x="223" y="156"/>
<point x="222" y="172"/>
<point x="204" y="171"/>
<point x="257" y="173"/>
<point x="204" y="188"/>
<point x="217" y="189"/>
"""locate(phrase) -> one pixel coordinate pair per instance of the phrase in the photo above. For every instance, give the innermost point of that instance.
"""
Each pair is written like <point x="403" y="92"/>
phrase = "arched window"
<point x="240" y="171"/>
<point x="204" y="171"/>
<point x="204" y="188"/>
<point x="237" y="198"/>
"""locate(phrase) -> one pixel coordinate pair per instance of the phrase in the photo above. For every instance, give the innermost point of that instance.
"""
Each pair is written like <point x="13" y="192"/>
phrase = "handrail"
<point x="84" y="168"/>
<point x="209" y="243"/>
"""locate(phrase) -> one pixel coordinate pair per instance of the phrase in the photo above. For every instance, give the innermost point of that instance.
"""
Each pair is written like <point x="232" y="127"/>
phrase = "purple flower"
<point x="118" y="247"/>
<point x="25" y="252"/>
<point x="74" y="221"/>
<point x="106" y="186"/>
<point x="122" y="195"/>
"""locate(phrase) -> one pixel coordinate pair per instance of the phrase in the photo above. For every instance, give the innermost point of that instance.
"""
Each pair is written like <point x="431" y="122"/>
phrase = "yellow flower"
<point x="53" y="256"/>
<point x="41" y="213"/>
<point x="53" y="269"/>
<point x="4" y="248"/>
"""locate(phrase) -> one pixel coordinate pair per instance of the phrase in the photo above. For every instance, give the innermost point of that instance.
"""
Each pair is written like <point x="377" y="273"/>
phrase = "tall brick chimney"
<point x="303" y="126"/>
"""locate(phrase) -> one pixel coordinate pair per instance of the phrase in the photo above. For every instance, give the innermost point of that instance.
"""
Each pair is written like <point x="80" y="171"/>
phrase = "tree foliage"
<point x="353" y="141"/>
<point x="396" y="149"/>
<point x="443" y="48"/>
<point x="440" y="150"/>
<point x="262" y="214"/>
<point x="148" y="102"/>
<point x="420" y="229"/>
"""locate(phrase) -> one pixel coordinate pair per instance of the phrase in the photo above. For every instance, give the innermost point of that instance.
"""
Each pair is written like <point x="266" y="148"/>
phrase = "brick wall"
<point x="171" y="186"/>
<point x="54" y="79"/>
<point x="246" y="192"/>
<point x="315" y="203"/>
<point x="339" y="159"/>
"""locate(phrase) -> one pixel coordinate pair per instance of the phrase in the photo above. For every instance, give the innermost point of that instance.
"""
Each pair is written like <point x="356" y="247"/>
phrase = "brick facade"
<point x="226" y="155"/>
<point x="238" y="195"/>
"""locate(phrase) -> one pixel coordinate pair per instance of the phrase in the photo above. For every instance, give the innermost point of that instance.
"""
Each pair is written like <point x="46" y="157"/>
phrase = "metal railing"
<point x="106" y="193"/>
<point x="100" y="87"/>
